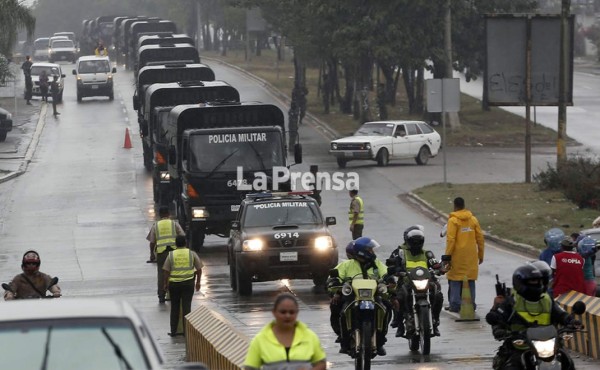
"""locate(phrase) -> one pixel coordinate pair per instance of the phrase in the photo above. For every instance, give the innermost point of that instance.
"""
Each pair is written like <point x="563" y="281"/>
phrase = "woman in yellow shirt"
<point x="285" y="343"/>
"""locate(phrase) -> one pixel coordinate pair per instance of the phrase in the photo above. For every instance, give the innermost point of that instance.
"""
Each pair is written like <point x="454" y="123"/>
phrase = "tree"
<point x="14" y="16"/>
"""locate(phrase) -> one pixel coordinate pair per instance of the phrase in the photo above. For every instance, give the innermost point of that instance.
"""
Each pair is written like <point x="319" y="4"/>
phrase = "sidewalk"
<point x="28" y="122"/>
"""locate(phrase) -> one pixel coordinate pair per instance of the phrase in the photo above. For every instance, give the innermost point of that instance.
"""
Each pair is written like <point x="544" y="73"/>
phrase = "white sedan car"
<point x="384" y="140"/>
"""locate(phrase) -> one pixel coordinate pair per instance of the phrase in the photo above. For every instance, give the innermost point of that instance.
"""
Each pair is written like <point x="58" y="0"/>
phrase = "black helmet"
<point x="415" y="240"/>
<point x="410" y="228"/>
<point x="545" y="270"/>
<point x="528" y="282"/>
<point x="567" y="244"/>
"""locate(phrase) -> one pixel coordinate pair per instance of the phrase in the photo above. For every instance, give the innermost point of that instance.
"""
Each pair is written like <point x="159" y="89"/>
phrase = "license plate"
<point x="94" y="87"/>
<point x="235" y="208"/>
<point x="348" y="154"/>
<point x="288" y="256"/>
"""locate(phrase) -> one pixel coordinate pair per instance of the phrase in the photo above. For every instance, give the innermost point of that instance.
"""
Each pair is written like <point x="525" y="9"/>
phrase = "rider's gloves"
<point x="56" y="294"/>
<point x="499" y="333"/>
<point x="575" y="323"/>
<point x="9" y="296"/>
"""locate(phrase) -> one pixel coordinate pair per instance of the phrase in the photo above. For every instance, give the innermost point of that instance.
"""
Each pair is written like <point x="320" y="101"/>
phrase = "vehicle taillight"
<point x="192" y="193"/>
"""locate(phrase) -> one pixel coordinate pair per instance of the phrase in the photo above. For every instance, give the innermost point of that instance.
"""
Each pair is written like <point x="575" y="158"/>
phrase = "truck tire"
<point x="196" y="239"/>
<point x="147" y="153"/>
<point x="3" y="135"/>
<point x="243" y="282"/>
<point x="423" y="156"/>
<point x="383" y="157"/>
<point x="232" y="274"/>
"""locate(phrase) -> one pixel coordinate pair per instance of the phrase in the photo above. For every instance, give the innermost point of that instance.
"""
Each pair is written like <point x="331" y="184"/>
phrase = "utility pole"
<point x="561" y="152"/>
<point x="452" y="117"/>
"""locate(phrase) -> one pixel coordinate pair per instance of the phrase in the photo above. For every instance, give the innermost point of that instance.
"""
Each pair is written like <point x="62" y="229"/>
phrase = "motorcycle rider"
<point x="415" y="256"/>
<point x="552" y="239"/>
<point x="528" y="305"/>
<point x="364" y="263"/>
<point x="32" y="283"/>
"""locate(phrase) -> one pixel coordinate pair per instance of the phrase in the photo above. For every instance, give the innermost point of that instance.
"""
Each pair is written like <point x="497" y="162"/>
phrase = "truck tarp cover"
<point x="155" y="53"/>
<point x="191" y="95"/>
<point x="160" y="74"/>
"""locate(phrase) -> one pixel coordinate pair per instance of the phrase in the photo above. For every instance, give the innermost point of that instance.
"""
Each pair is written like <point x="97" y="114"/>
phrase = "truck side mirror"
<point x="114" y="70"/>
<point x="63" y="75"/>
<point x="330" y="221"/>
<point x="75" y="72"/>
<point x="235" y="225"/>
<point x="136" y="103"/>
<point x="172" y="155"/>
<point x="298" y="153"/>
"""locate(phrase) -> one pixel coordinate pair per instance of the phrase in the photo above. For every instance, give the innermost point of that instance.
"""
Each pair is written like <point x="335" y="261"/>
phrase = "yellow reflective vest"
<point x="533" y="312"/>
<point x="265" y="351"/>
<point x="182" y="265"/>
<point x="165" y="235"/>
<point x="361" y="214"/>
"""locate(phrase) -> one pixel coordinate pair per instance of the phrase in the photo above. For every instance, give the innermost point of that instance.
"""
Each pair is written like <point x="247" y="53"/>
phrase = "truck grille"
<point x="289" y="243"/>
<point x="351" y="146"/>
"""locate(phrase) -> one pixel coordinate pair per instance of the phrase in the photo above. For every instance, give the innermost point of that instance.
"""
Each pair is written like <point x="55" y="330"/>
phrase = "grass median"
<point x="514" y="211"/>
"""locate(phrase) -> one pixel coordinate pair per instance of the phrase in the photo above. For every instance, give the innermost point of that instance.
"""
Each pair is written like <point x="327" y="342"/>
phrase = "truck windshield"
<point x="281" y="213"/>
<point x="253" y="151"/>
<point x="94" y="66"/>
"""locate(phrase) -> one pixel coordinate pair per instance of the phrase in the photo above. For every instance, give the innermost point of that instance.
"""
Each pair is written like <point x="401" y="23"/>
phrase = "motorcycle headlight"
<point x="365" y="293"/>
<point x="334" y="146"/>
<point x="544" y="348"/>
<point x="346" y="289"/>
<point x="253" y="245"/>
<point x="323" y="243"/>
<point x="199" y="212"/>
<point x="382" y="288"/>
<point x="164" y="176"/>
<point x="421" y="284"/>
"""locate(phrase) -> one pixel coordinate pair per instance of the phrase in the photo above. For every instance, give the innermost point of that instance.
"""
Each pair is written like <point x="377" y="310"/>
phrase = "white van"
<point x="94" y="77"/>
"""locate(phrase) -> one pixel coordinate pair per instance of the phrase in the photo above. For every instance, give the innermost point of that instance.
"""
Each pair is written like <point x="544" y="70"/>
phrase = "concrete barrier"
<point x="587" y="342"/>
<point x="210" y="339"/>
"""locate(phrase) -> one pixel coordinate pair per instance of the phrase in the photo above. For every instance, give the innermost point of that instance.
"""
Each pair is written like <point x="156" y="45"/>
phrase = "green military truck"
<point x="213" y="150"/>
<point x="164" y="53"/>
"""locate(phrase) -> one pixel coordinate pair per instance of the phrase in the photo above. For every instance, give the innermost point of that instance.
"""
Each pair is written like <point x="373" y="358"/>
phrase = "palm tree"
<point x="14" y="16"/>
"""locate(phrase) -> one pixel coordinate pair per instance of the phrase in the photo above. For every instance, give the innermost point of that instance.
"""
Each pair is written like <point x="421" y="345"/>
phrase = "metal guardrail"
<point x="210" y="339"/>
<point x="588" y="341"/>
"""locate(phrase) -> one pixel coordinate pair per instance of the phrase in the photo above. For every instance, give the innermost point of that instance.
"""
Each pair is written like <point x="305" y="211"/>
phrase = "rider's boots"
<point x="436" y="331"/>
<point x="400" y="329"/>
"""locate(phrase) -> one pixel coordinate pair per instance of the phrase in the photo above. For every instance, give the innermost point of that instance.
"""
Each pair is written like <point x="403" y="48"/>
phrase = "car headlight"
<point x="165" y="176"/>
<point x="421" y="284"/>
<point x="368" y="146"/>
<point x="334" y="146"/>
<point x="365" y="293"/>
<point x="199" y="212"/>
<point x="253" y="245"/>
<point x="323" y="243"/>
<point x="544" y="348"/>
<point x="9" y="116"/>
<point x="110" y="77"/>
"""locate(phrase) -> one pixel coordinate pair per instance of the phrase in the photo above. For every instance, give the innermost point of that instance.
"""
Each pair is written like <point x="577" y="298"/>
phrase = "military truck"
<point x="157" y="38"/>
<point x="175" y="93"/>
<point x="164" y="53"/>
<point x="215" y="148"/>
<point x="147" y="27"/>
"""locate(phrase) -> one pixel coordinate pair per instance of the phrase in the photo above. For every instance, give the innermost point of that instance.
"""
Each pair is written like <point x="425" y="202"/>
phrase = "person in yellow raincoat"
<point x="465" y="244"/>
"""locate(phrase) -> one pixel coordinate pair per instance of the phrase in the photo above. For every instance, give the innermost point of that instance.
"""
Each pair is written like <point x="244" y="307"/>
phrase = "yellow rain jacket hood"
<point x="464" y="242"/>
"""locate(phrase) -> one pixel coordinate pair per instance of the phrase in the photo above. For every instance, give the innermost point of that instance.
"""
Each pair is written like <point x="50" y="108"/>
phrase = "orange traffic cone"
<point x="127" y="144"/>
<point x="467" y="310"/>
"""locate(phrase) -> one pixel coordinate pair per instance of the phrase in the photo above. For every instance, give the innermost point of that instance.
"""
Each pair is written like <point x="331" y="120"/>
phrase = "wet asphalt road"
<point x="85" y="204"/>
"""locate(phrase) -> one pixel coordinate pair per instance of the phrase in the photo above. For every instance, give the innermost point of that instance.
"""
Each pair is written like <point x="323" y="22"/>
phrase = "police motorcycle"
<point x="420" y="280"/>
<point x="364" y="313"/>
<point x="53" y="282"/>
<point x="544" y="344"/>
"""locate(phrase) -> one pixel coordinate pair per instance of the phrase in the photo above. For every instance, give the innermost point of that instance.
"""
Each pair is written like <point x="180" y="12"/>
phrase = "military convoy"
<point x="199" y="141"/>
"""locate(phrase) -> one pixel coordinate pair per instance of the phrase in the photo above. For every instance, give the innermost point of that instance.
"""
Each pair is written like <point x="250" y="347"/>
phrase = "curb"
<point x="30" y="148"/>
<point x="440" y="216"/>
<point x="319" y="125"/>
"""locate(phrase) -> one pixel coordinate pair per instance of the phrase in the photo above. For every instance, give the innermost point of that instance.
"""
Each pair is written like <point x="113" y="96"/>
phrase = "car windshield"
<point x="62" y="44"/>
<point x="292" y="212"/>
<point x="40" y="44"/>
<point x="375" y="129"/>
<point x="50" y="71"/>
<point x="94" y="66"/>
<point x="71" y="344"/>
<point x="252" y="151"/>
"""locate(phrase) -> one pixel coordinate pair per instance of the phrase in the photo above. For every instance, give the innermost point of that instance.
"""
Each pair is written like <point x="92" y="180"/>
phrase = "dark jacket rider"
<point x="32" y="283"/>
<point x="406" y="257"/>
<point x="527" y="305"/>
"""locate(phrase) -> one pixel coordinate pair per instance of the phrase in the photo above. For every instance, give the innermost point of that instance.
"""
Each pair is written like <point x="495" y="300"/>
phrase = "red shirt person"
<point x="568" y="269"/>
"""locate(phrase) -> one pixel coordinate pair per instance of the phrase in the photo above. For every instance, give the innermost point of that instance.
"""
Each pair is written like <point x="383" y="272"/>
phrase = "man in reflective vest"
<point x="180" y="267"/>
<point x="412" y="255"/>
<point x="162" y="239"/>
<point x="356" y="215"/>
<point x="528" y="305"/>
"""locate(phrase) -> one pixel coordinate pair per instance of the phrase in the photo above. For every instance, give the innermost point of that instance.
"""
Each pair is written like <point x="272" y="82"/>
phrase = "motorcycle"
<point x="364" y="313"/>
<point x="544" y="344"/>
<point x="8" y="288"/>
<point x="420" y="278"/>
